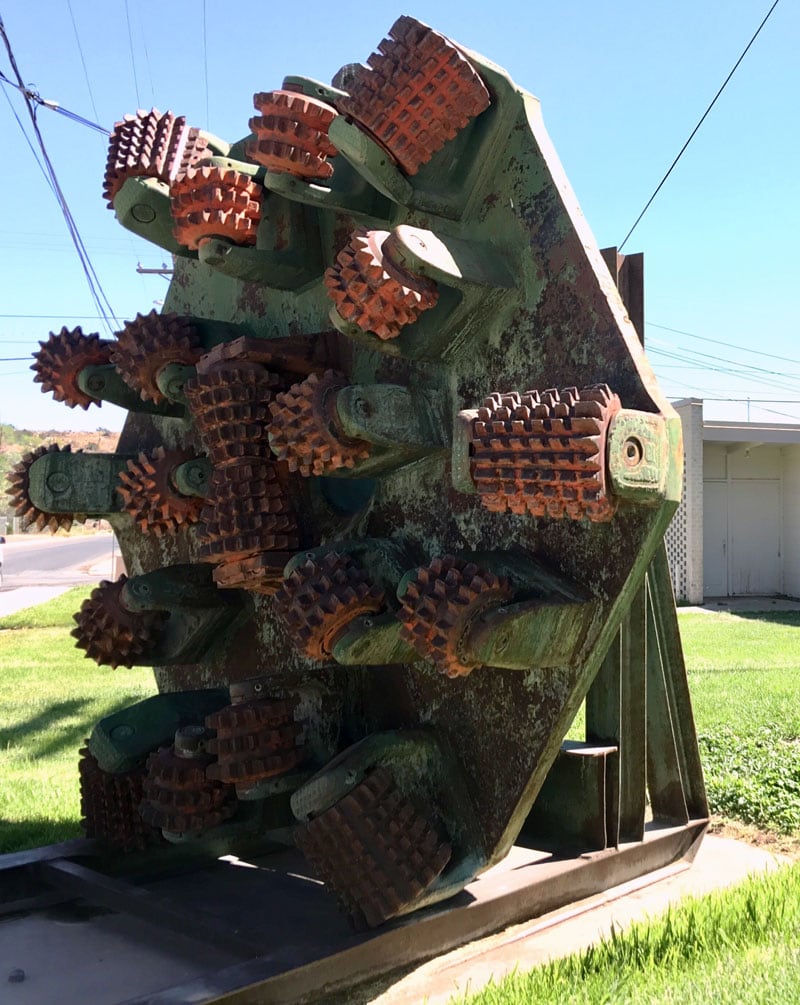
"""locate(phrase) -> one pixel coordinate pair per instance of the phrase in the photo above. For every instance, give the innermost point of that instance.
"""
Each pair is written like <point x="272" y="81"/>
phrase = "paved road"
<point x="38" y="567"/>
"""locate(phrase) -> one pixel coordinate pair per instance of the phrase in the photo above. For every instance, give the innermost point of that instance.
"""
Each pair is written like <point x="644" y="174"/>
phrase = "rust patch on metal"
<point x="440" y="605"/>
<point x="61" y="358"/>
<point x="150" y="145"/>
<point x="179" y="797"/>
<point x="150" y="496"/>
<point x="303" y="429"/>
<point x="544" y="453"/>
<point x="147" y="344"/>
<point x="208" y="202"/>
<point x="110" y="806"/>
<point x="18" y="487"/>
<point x="417" y="92"/>
<point x="292" y="134"/>
<point x="375" y="850"/>
<point x="372" y="292"/>
<point x="320" y="599"/>
<point x="110" y="633"/>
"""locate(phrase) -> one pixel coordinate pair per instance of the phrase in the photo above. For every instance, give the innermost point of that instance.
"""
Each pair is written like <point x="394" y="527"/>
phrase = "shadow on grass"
<point x="788" y="618"/>
<point x="23" y="834"/>
<point x="56" y="735"/>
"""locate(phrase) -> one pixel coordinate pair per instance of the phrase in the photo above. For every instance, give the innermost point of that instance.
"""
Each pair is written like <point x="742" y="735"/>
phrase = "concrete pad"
<point x="720" y="862"/>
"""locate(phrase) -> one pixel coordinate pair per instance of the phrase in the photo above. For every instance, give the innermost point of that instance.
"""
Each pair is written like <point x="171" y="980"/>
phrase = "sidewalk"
<point x="18" y="599"/>
<point x="741" y="605"/>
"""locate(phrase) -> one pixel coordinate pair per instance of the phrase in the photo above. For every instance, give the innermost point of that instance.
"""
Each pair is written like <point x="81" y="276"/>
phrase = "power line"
<point x="95" y="286"/>
<point x="32" y="95"/>
<point x="748" y="367"/>
<point x="27" y="138"/>
<point x="728" y="345"/>
<point x="702" y="120"/>
<point x="56" y="317"/>
<point x="752" y="377"/>
<point x="133" y="61"/>
<point x="83" y="58"/>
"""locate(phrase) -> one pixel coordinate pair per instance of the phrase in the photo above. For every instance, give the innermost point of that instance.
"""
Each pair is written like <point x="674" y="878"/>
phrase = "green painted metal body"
<point x="525" y="301"/>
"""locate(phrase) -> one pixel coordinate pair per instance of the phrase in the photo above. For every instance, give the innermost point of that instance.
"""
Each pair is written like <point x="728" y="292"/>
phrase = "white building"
<point x="737" y="529"/>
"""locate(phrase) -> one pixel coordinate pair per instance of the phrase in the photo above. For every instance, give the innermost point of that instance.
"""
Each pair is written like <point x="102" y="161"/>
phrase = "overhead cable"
<point x="702" y="120"/>
<point x="32" y="95"/>
<point x="95" y="287"/>
<point x="728" y="345"/>
<point x="83" y="58"/>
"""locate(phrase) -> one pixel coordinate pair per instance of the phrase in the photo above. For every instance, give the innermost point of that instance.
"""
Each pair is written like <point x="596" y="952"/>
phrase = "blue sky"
<point x="621" y="87"/>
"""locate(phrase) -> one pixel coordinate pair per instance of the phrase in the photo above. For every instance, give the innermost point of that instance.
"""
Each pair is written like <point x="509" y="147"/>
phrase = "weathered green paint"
<point x="85" y="483"/>
<point x="105" y="384"/>
<point x="121" y="741"/>
<point x="525" y="301"/>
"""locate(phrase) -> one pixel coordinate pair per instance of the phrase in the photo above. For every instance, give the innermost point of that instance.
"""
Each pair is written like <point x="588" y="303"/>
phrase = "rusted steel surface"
<point x="371" y="291"/>
<point x="150" y="145"/>
<point x="146" y="345"/>
<point x="151" y="497"/>
<point x="544" y="454"/>
<point x="211" y="202"/>
<point x="292" y="134"/>
<point x="417" y="553"/>
<point x="110" y="806"/>
<point x="109" y="632"/>
<point x="416" y="92"/>
<point x="321" y="597"/>
<point x="398" y="852"/>
<point x="19" y="490"/>
<point x="62" y="357"/>
<point x="303" y="428"/>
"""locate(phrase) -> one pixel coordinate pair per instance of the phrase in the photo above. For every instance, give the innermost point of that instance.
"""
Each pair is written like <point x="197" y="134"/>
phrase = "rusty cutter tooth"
<point x="110" y="806"/>
<point x="372" y="292"/>
<point x="246" y="511"/>
<point x="230" y="408"/>
<point x="149" y="343"/>
<point x="110" y="633"/>
<point x="440" y="605"/>
<point x="150" y="496"/>
<point x="254" y="740"/>
<point x="208" y="202"/>
<point x="178" y="795"/>
<point x="375" y="850"/>
<point x="60" y="360"/>
<point x="19" y="493"/>
<point x="416" y="94"/>
<point x="150" y="145"/>
<point x="292" y="134"/>
<point x="319" y="599"/>
<point x="303" y="429"/>
<point x="545" y="453"/>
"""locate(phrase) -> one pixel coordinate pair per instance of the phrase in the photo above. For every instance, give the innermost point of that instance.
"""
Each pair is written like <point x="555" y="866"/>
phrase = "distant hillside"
<point x="15" y="443"/>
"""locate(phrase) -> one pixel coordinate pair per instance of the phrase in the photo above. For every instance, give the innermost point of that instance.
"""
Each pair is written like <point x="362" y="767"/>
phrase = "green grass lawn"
<point x="736" y="946"/>
<point x="52" y="697"/>
<point x="744" y="676"/>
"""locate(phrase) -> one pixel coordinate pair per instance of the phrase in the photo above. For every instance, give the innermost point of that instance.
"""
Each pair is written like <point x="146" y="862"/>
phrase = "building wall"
<point x="684" y="537"/>
<point x="791" y="520"/>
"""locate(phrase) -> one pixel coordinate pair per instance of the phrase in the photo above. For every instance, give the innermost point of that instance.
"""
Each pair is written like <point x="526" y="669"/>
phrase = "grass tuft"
<point x="737" y="945"/>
